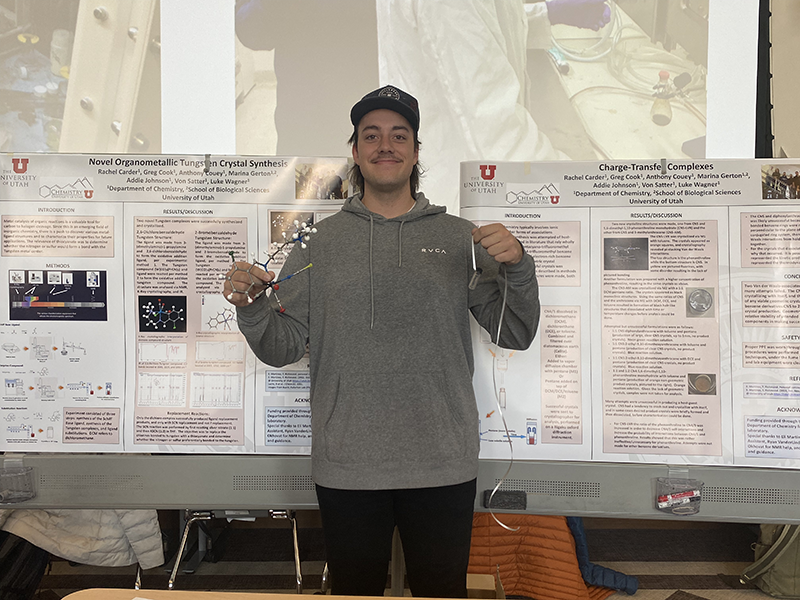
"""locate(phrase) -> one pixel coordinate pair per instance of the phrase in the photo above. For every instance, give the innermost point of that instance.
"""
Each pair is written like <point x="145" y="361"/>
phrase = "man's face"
<point x="385" y="151"/>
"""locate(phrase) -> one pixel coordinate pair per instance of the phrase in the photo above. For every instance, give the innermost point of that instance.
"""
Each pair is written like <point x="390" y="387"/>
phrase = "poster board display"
<point x="669" y="330"/>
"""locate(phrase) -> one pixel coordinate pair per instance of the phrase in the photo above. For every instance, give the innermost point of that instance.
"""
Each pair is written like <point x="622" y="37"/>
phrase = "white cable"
<point x="500" y="410"/>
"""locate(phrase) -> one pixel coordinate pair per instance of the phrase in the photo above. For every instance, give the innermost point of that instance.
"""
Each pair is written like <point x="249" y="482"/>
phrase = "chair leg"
<point x="191" y="517"/>
<point x="137" y="585"/>
<point x="291" y="516"/>
<point x="326" y="575"/>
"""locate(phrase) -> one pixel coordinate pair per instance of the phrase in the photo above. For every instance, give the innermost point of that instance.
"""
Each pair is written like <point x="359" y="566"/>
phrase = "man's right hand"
<point x="244" y="282"/>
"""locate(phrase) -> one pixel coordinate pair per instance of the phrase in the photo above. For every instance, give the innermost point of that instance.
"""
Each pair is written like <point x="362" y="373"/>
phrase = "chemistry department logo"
<point x="487" y="172"/>
<point x="532" y="194"/>
<point x="20" y="165"/>
<point x="66" y="188"/>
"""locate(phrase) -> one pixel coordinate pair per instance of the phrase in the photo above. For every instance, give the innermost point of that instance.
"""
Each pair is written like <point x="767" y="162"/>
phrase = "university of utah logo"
<point x="487" y="172"/>
<point x="20" y="164"/>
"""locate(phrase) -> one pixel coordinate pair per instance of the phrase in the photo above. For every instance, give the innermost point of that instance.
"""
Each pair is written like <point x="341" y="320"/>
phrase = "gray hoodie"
<point x="385" y="312"/>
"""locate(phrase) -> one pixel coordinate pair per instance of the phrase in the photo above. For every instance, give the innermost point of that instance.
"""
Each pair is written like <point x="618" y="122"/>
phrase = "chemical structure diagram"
<point x="222" y="320"/>
<point x="301" y="235"/>
<point x="158" y="315"/>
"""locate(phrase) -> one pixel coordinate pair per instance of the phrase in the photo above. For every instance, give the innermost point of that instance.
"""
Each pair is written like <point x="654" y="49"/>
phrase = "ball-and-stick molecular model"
<point x="301" y="235"/>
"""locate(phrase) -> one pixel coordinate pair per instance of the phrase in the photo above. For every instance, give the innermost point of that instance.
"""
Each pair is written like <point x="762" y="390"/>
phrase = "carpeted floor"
<point x="673" y="560"/>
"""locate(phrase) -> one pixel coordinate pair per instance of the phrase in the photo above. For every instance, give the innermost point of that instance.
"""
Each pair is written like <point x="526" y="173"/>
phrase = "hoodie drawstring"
<point x="371" y="280"/>
<point x="400" y="245"/>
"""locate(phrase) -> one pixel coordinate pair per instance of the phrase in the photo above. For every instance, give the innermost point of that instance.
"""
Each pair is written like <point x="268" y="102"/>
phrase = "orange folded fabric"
<point x="538" y="561"/>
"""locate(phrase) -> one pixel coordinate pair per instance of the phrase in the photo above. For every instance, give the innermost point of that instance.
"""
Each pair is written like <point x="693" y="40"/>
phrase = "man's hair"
<point x="358" y="179"/>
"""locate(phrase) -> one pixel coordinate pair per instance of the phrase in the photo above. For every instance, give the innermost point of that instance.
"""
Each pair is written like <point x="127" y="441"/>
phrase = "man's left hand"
<point x="499" y="243"/>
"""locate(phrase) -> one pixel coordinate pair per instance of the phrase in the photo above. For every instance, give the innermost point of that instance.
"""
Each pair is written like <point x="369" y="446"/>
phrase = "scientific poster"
<point x="691" y="318"/>
<point x="115" y="334"/>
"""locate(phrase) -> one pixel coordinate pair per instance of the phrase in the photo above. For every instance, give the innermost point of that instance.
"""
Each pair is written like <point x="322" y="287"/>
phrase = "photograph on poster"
<point x="700" y="302"/>
<point x="321" y="181"/>
<point x="781" y="182"/>
<point x="702" y="383"/>
<point x="626" y="254"/>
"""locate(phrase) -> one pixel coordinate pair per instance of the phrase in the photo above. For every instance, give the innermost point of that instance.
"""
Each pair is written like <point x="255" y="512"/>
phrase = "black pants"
<point x="435" y="527"/>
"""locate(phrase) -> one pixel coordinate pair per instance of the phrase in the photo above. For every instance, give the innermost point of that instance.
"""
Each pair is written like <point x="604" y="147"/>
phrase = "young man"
<point x="385" y="313"/>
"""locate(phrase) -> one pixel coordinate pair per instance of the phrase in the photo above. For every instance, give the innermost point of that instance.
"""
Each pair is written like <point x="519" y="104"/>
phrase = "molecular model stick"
<point x="301" y="235"/>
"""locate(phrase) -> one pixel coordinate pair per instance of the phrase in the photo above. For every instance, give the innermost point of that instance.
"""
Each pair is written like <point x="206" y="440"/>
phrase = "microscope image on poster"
<point x="700" y="302"/>
<point x="626" y="254"/>
<point x="36" y="295"/>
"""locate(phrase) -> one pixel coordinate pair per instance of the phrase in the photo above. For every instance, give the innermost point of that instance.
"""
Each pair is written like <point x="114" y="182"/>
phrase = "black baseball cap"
<point x="389" y="97"/>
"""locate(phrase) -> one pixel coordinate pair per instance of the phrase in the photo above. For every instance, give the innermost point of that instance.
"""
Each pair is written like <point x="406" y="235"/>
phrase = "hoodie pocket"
<point x="395" y="417"/>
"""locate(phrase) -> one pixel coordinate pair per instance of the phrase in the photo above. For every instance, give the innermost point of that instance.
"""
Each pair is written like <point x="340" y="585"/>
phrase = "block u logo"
<point x="487" y="172"/>
<point x="20" y="164"/>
